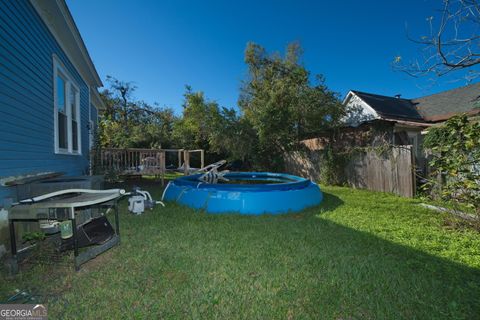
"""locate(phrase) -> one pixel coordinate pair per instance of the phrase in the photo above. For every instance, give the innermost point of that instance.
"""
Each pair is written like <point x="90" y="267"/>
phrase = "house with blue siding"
<point x="49" y="100"/>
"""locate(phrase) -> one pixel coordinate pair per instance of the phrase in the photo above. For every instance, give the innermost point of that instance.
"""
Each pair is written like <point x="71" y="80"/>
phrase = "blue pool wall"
<point x="255" y="199"/>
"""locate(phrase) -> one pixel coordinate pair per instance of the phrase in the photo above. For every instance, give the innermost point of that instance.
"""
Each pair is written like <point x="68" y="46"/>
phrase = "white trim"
<point x="55" y="108"/>
<point x="78" y="39"/>
<point x="361" y="113"/>
<point x="89" y="121"/>
<point x="96" y="112"/>
<point x="78" y="118"/>
<point x="90" y="134"/>
<point x="59" y="21"/>
<point x="92" y="123"/>
<point x="347" y="97"/>
<point x="89" y="104"/>
<point x="97" y="100"/>
<point x="368" y="107"/>
<point x="69" y="82"/>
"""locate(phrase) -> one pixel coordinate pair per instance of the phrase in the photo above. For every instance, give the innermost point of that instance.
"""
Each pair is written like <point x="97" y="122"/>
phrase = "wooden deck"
<point x="133" y="161"/>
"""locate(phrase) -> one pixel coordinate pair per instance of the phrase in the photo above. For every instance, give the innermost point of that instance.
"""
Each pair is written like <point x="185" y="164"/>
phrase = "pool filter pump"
<point x="140" y="201"/>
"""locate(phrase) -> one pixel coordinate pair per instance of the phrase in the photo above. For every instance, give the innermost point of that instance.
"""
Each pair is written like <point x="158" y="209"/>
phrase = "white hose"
<point x="164" y="191"/>
<point x="148" y="196"/>
<point x="181" y="193"/>
<point x="61" y="192"/>
<point x="145" y="194"/>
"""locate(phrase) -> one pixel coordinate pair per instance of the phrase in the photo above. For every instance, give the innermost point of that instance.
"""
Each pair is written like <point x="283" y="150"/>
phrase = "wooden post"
<point x="179" y="158"/>
<point x="186" y="162"/>
<point x="414" y="173"/>
<point x="124" y="159"/>
<point x="202" y="159"/>
<point x="162" y="166"/>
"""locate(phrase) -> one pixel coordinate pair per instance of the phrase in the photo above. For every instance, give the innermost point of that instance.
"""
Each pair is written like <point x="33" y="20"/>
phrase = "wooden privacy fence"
<point x="389" y="171"/>
<point x="133" y="161"/>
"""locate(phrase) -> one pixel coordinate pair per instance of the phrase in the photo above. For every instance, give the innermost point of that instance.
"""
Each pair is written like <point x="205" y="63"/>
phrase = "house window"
<point x="66" y="112"/>
<point x="74" y="111"/>
<point x="61" y="114"/>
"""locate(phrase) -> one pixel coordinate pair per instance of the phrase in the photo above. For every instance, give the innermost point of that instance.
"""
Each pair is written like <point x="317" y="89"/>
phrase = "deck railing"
<point x="133" y="161"/>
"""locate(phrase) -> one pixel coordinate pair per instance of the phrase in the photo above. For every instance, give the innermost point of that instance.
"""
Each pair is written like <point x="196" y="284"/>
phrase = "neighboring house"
<point x="405" y="119"/>
<point x="374" y="120"/>
<point x="49" y="99"/>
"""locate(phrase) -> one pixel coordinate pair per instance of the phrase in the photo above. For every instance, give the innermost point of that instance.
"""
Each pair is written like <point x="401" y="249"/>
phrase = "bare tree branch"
<point x="452" y="44"/>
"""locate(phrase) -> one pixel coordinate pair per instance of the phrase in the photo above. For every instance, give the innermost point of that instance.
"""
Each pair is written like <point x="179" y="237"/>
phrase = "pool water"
<point x="253" y="181"/>
<point x="240" y="178"/>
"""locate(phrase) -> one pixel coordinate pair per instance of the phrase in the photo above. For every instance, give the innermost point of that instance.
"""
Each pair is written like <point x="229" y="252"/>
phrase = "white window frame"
<point x="59" y="68"/>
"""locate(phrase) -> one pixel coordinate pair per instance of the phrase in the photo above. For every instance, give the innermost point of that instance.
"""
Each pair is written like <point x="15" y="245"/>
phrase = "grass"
<point x="360" y="255"/>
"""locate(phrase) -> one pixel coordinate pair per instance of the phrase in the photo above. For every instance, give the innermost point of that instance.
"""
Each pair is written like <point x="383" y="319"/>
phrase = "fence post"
<point x="414" y="173"/>
<point x="162" y="166"/>
<point x="186" y="162"/>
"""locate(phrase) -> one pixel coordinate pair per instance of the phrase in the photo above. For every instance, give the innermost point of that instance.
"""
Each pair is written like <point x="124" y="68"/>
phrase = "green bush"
<point x="455" y="163"/>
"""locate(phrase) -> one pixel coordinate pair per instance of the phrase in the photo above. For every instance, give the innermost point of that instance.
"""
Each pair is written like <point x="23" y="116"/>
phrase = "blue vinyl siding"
<point x="26" y="97"/>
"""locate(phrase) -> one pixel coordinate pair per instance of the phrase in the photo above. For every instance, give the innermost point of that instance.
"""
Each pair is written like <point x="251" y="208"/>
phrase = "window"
<point x="66" y="112"/>
<point x="62" y="114"/>
<point x="74" y="111"/>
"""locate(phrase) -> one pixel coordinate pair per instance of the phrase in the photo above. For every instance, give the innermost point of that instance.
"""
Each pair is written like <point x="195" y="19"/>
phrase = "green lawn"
<point x="360" y="255"/>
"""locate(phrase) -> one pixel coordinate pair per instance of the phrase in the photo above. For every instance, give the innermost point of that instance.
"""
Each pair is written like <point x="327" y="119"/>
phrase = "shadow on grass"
<point x="391" y="280"/>
<point x="330" y="202"/>
<point x="236" y="267"/>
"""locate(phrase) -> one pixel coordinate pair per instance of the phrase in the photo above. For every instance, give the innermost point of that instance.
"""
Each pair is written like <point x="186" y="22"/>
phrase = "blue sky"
<point x="164" y="45"/>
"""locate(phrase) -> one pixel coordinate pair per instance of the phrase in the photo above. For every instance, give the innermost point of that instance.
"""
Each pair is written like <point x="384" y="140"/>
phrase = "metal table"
<point x="62" y="208"/>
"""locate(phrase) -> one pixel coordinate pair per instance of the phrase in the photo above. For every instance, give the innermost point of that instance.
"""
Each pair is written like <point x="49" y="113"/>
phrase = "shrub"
<point x="455" y="163"/>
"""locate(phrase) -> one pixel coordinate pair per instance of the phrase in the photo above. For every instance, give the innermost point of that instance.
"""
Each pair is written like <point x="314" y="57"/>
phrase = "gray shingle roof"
<point x="443" y="105"/>
<point x="436" y="107"/>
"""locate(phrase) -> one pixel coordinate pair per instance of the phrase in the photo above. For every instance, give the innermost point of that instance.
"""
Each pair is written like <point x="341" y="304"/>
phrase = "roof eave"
<point x="347" y="97"/>
<point x="59" y="21"/>
<point x="446" y="116"/>
<point x="96" y="100"/>
<point x="410" y="122"/>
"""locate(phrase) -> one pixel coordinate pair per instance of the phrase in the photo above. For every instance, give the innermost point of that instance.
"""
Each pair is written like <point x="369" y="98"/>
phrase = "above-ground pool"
<point x="251" y="193"/>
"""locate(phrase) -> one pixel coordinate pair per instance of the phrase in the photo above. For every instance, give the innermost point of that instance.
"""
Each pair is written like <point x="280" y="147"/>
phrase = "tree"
<point x="120" y="105"/>
<point x="282" y="106"/>
<point x="233" y="136"/>
<point x="152" y="127"/>
<point x="194" y="129"/>
<point x="452" y="44"/>
<point x="222" y="132"/>
<point x="128" y="122"/>
<point x="279" y="106"/>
